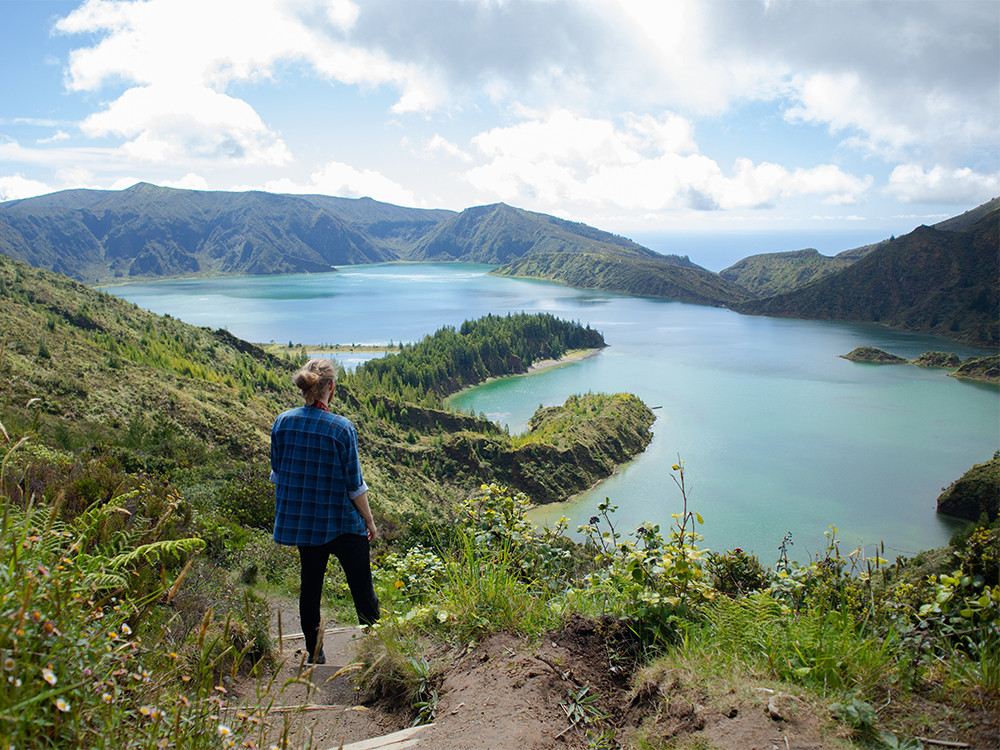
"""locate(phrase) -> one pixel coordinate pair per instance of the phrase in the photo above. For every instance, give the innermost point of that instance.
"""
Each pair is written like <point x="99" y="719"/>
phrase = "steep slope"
<point x="500" y="233"/>
<point x="768" y="274"/>
<point x="773" y="273"/>
<point x="148" y="231"/>
<point x="933" y="281"/>
<point x="623" y="274"/>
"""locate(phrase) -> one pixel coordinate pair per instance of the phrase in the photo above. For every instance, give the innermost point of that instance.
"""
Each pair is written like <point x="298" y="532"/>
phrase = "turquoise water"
<point x="777" y="432"/>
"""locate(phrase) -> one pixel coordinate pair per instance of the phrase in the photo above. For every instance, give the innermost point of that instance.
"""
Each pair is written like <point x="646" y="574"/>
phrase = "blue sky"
<point x="642" y="117"/>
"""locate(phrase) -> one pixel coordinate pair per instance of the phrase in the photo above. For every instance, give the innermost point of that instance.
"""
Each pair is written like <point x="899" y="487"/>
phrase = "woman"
<point x="321" y="503"/>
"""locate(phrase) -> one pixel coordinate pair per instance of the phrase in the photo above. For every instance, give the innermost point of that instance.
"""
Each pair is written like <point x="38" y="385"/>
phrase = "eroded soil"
<point x="566" y="691"/>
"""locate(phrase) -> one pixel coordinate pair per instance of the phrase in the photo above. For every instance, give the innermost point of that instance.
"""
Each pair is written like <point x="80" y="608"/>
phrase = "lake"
<point x="777" y="432"/>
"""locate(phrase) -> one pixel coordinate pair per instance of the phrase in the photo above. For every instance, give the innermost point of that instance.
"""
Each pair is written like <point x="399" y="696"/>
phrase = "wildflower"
<point x="225" y="731"/>
<point x="36" y="616"/>
<point x="9" y="663"/>
<point x="126" y="629"/>
<point x="106" y="697"/>
<point x="49" y="676"/>
<point x="62" y="705"/>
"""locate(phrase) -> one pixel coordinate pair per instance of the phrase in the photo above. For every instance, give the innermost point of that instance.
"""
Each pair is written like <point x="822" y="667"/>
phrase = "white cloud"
<point x="170" y="123"/>
<point x="337" y="178"/>
<point x="184" y="84"/>
<point x="190" y="181"/>
<point x="342" y="13"/>
<point x="440" y="144"/>
<point x="644" y="164"/>
<point x="912" y="184"/>
<point x="60" y="135"/>
<point x="15" y="187"/>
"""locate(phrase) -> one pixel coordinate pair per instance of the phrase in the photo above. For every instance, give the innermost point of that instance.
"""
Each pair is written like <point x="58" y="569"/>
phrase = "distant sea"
<point x="719" y="250"/>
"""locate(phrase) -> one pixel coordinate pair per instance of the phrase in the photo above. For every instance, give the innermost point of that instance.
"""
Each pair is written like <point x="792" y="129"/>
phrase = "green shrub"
<point x="736" y="572"/>
<point x="248" y="499"/>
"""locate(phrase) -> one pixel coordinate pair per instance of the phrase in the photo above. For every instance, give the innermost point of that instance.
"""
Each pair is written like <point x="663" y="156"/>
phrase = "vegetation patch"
<point x="874" y="355"/>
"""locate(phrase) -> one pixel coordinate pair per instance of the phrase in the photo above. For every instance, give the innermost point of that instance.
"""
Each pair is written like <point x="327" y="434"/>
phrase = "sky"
<point x="648" y="118"/>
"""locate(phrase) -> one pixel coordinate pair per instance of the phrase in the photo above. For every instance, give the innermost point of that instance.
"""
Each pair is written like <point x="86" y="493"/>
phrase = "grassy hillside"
<point x="772" y="273"/>
<point x="103" y="370"/>
<point x="150" y="232"/>
<point x="641" y="276"/>
<point x="769" y="274"/>
<point x="500" y="233"/>
<point x="933" y="281"/>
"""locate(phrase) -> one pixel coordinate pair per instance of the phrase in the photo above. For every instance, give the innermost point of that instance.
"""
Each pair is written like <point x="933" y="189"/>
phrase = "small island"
<point x="874" y="355"/>
<point x="983" y="369"/>
<point x="938" y="359"/>
<point x="986" y="369"/>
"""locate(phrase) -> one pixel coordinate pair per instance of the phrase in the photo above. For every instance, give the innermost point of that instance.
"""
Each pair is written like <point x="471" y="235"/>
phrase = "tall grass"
<point x="485" y="592"/>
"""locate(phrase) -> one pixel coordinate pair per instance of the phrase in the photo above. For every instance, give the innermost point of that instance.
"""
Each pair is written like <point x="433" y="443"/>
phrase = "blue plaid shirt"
<point x="315" y="467"/>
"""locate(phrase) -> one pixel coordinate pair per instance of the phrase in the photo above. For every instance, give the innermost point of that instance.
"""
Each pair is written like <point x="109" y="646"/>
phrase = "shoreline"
<point x="574" y="355"/>
<point x="325" y="349"/>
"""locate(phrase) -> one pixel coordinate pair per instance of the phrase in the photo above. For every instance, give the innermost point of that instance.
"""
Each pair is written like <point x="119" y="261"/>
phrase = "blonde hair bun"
<point x="314" y="378"/>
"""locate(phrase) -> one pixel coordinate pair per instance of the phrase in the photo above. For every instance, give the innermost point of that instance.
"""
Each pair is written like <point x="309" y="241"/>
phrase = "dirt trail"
<point x="509" y="693"/>
<point x="320" y="701"/>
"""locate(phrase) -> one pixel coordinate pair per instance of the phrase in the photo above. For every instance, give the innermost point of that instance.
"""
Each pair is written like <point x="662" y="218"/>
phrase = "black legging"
<point x="354" y="554"/>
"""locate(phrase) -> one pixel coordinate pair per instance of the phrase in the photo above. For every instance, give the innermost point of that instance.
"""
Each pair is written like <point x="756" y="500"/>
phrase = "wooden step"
<point x="405" y="738"/>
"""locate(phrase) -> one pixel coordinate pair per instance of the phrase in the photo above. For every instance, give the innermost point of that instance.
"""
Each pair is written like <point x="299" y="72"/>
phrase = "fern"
<point x="157" y="551"/>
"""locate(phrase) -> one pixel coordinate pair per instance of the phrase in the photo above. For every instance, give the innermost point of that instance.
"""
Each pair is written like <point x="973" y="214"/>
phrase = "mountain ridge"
<point x="942" y="280"/>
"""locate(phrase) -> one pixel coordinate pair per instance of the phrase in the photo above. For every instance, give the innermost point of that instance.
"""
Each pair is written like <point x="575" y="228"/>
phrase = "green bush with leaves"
<point x="248" y="498"/>
<point x="654" y="582"/>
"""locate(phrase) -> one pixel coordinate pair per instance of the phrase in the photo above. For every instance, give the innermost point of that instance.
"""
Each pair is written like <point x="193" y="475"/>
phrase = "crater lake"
<point x="777" y="432"/>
